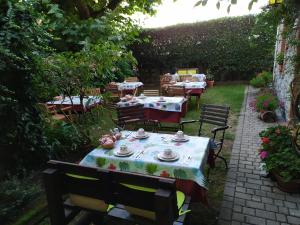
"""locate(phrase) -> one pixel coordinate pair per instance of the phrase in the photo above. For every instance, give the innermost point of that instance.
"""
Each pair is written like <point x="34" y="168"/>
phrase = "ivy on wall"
<point x="227" y="47"/>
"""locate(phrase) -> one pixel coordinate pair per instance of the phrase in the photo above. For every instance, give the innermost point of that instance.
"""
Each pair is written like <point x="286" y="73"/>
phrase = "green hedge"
<point x="225" y="46"/>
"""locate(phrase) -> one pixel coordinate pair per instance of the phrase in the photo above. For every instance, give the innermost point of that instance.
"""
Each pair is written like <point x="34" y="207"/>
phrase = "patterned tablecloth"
<point x="129" y="85"/>
<point x="193" y="156"/>
<point x="191" y="85"/>
<point x="87" y="101"/>
<point x="171" y="104"/>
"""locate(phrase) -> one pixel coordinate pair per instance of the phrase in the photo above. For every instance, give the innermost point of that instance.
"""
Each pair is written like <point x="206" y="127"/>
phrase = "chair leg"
<point x="224" y="160"/>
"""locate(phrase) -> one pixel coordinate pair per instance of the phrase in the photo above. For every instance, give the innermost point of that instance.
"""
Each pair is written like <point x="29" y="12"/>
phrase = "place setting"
<point x="161" y="99"/>
<point x="180" y="137"/>
<point x="168" y="155"/>
<point x="141" y="134"/>
<point x="123" y="151"/>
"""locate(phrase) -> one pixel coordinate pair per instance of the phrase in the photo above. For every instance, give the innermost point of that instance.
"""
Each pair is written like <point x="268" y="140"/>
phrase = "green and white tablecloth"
<point x="87" y="101"/>
<point x="191" y="85"/>
<point x="193" y="156"/>
<point x="129" y="85"/>
<point x="171" y="104"/>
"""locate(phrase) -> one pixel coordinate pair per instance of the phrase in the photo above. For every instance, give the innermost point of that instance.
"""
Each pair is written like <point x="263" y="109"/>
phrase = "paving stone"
<point x="249" y="211"/>
<point x="264" y="214"/>
<point x="250" y="199"/>
<point x="293" y="220"/>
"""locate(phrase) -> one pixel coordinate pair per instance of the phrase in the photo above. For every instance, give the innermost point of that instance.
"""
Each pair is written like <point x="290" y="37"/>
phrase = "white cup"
<point x="161" y="98"/>
<point x="123" y="149"/>
<point x="142" y="95"/>
<point x="179" y="134"/>
<point x="168" y="153"/>
<point x="141" y="132"/>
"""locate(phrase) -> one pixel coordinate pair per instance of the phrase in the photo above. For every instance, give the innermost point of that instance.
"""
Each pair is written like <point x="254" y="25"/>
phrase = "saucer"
<point x="121" y="154"/>
<point x="162" y="157"/>
<point x="146" y="135"/>
<point x="184" y="139"/>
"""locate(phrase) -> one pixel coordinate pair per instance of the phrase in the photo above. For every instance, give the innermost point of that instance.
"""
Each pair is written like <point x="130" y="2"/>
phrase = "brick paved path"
<point x="248" y="197"/>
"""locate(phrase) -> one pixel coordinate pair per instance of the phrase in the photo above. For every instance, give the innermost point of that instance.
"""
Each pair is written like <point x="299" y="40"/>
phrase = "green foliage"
<point x="224" y="46"/>
<point x="280" y="58"/>
<point x="266" y="102"/>
<point x="281" y="156"/>
<point x="15" y="192"/>
<point x="21" y="130"/>
<point x="263" y="79"/>
<point x="279" y="137"/>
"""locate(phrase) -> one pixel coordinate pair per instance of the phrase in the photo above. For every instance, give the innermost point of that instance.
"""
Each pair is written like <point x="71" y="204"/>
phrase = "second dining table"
<point x="188" y="169"/>
<point x="166" y="109"/>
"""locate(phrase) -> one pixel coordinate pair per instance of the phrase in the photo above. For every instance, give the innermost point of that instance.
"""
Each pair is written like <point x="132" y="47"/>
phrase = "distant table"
<point x="88" y="102"/>
<point x="171" y="110"/>
<point x="188" y="170"/>
<point x="129" y="87"/>
<point x="194" y="87"/>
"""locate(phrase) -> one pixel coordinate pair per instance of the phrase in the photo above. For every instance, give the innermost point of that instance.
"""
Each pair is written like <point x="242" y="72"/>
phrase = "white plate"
<point x="119" y="154"/>
<point x="146" y="135"/>
<point x="161" y="157"/>
<point x="184" y="139"/>
<point x="142" y="97"/>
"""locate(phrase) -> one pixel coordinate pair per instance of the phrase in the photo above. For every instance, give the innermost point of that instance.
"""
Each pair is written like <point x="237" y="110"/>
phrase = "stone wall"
<point x="284" y="76"/>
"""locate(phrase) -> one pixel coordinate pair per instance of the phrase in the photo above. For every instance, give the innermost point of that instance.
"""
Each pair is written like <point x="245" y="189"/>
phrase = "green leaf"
<point x="218" y="5"/>
<point x="204" y="2"/>
<point x="228" y="8"/>
<point x="198" y="3"/>
<point x="233" y="2"/>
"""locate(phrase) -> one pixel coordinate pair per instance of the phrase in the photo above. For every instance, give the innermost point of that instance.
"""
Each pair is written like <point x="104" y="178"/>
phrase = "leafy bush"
<point x="16" y="192"/>
<point x="262" y="79"/>
<point x="223" y="45"/>
<point x="265" y="102"/>
<point x="278" y="152"/>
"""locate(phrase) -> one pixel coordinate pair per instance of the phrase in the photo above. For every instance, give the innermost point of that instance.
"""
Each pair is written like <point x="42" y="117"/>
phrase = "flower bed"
<point x="280" y="157"/>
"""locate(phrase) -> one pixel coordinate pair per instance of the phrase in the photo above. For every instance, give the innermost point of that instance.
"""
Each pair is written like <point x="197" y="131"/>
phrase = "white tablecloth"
<point x="129" y="85"/>
<point x="191" y="85"/>
<point x="172" y="104"/>
<point x="87" y="101"/>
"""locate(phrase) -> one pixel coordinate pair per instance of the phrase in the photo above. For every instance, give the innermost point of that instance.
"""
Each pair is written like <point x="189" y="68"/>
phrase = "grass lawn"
<point x="100" y="122"/>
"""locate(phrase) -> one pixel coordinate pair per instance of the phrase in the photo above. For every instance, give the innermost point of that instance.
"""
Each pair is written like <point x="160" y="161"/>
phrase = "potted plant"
<point x="280" y="158"/>
<point x="209" y="79"/>
<point x="265" y="104"/>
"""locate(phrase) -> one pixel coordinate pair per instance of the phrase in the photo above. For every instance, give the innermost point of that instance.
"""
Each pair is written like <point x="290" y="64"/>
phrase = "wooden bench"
<point x="71" y="188"/>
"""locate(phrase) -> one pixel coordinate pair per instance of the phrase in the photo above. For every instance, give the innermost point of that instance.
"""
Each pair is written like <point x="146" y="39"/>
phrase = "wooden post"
<point x="54" y="192"/>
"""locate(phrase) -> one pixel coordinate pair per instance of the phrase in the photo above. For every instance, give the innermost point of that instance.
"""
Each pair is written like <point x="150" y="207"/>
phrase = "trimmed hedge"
<point x="223" y="46"/>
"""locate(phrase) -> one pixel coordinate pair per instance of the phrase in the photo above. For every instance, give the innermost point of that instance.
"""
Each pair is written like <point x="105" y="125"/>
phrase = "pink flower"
<point x="263" y="154"/>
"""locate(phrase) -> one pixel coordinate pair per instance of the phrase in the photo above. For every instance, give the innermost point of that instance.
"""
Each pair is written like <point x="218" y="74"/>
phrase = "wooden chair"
<point x="131" y="79"/>
<point x="151" y="92"/>
<point x="71" y="189"/>
<point x="215" y="115"/>
<point x="178" y="91"/>
<point x="134" y="116"/>
<point x="186" y="77"/>
<point x="62" y="113"/>
<point x="113" y="89"/>
<point x="165" y="82"/>
<point x="187" y="71"/>
<point x="92" y="91"/>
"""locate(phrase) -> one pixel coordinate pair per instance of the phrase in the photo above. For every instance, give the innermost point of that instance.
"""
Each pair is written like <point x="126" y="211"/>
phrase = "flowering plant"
<point x="266" y="102"/>
<point x="278" y="153"/>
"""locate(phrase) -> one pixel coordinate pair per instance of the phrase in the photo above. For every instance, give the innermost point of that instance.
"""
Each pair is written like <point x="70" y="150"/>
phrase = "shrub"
<point x="14" y="194"/>
<point x="223" y="45"/>
<point x="262" y="79"/>
<point x="266" y="102"/>
<point x="278" y="152"/>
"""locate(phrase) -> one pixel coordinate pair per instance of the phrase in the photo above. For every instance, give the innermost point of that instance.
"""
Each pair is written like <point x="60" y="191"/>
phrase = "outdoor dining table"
<point x="196" y="88"/>
<point x="170" y="110"/>
<point x="129" y="87"/>
<point x="89" y="102"/>
<point x="188" y="169"/>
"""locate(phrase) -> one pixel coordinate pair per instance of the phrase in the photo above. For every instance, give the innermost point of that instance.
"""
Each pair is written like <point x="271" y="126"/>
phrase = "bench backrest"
<point x="113" y="187"/>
